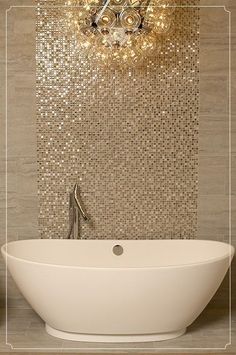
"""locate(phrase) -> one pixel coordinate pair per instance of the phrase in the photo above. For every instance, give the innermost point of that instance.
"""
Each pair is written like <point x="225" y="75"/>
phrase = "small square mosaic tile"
<point x="128" y="137"/>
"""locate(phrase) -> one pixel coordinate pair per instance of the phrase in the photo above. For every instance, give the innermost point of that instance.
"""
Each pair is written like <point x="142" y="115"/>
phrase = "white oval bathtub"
<point x="83" y="291"/>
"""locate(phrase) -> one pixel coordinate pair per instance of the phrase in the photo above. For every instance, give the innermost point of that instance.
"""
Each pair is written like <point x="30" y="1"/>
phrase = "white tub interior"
<point x="136" y="253"/>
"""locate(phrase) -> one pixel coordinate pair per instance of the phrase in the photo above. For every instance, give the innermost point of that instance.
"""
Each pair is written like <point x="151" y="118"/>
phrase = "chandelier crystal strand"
<point x="119" y="32"/>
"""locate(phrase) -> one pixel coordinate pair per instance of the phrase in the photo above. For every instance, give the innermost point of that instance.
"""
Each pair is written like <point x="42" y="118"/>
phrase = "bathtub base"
<point x="103" y="338"/>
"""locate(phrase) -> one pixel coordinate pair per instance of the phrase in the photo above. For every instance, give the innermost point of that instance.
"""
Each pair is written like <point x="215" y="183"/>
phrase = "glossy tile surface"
<point x="128" y="137"/>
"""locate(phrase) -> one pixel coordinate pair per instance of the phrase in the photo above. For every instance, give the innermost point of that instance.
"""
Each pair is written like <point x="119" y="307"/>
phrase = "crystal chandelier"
<point x="119" y="31"/>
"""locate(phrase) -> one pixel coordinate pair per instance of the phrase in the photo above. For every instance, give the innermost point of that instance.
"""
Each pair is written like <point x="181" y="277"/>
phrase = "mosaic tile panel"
<point x="128" y="137"/>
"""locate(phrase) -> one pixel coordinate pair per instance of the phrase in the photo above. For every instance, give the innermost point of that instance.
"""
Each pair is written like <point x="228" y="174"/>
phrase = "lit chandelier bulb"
<point x="130" y="19"/>
<point x="166" y="6"/>
<point x="148" y="44"/>
<point x="133" y="56"/>
<point x="117" y="5"/>
<point x="162" y="24"/>
<point x="106" y="19"/>
<point x="149" y="16"/>
<point x="115" y="57"/>
<point x="91" y="6"/>
<point x="101" y="56"/>
<point x="102" y="42"/>
<point x="134" y="3"/>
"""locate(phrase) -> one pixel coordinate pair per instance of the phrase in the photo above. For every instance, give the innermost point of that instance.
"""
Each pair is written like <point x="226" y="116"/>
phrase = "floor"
<point x="26" y="333"/>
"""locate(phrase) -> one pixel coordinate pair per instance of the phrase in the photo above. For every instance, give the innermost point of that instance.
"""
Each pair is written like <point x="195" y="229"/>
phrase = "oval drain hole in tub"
<point x="118" y="250"/>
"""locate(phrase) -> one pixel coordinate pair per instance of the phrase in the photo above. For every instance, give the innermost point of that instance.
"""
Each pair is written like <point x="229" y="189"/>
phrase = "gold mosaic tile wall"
<point x="128" y="138"/>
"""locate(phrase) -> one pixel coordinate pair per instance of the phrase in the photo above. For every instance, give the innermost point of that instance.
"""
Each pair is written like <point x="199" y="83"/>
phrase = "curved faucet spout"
<point x="75" y="210"/>
<point x="79" y="203"/>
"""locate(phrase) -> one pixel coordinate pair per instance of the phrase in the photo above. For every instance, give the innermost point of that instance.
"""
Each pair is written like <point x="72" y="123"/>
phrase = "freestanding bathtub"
<point x="145" y="290"/>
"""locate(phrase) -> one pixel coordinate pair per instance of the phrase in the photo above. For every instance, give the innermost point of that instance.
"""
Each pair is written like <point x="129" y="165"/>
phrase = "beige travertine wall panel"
<point x="213" y="195"/>
<point x="215" y="98"/>
<point x="21" y="133"/>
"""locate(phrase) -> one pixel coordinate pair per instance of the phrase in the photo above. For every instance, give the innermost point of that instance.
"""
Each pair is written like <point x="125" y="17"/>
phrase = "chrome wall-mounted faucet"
<point x="75" y="210"/>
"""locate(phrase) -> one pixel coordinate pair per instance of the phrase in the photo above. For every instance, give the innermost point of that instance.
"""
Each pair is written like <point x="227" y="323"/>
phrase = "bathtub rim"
<point x="229" y="255"/>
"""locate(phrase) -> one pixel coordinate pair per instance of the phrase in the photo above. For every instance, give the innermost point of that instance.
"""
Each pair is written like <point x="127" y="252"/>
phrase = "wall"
<point x="213" y="195"/>
<point x="22" y="177"/>
<point x="128" y="137"/>
<point x="21" y="135"/>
